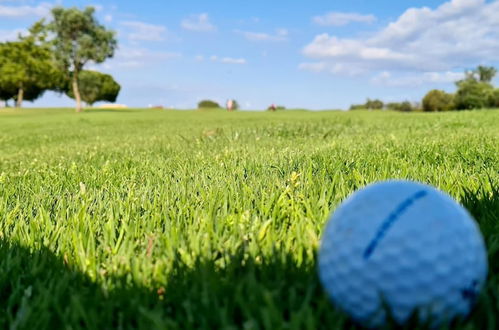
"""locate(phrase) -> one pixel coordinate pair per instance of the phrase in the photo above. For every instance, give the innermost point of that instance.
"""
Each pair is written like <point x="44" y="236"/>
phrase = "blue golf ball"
<point x="398" y="248"/>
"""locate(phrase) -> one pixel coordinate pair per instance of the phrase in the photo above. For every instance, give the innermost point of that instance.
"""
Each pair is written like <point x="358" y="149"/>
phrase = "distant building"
<point x="230" y="104"/>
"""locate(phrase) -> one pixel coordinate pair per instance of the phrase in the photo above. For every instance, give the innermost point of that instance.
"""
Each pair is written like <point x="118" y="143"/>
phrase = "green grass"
<point x="171" y="219"/>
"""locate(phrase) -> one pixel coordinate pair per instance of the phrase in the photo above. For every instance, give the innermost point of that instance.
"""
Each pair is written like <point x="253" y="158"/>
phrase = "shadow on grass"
<point x="39" y="291"/>
<point x="483" y="204"/>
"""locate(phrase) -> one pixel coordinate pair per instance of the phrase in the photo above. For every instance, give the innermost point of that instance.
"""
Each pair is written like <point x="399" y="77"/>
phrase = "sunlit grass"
<point x="172" y="219"/>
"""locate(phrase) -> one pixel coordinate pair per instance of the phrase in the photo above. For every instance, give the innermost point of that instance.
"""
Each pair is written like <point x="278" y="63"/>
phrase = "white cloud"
<point x="40" y="10"/>
<point x="11" y="35"/>
<point x="278" y="35"/>
<point x="108" y="18"/>
<point x="339" y="19"/>
<point x="135" y="57"/>
<point x="314" y="66"/>
<point x="252" y="20"/>
<point x="227" y="60"/>
<point x="199" y="58"/>
<point x="410" y="80"/>
<point x="456" y="35"/>
<point x="198" y="23"/>
<point x="140" y="31"/>
<point x="230" y="60"/>
<point x="334" y="68"/>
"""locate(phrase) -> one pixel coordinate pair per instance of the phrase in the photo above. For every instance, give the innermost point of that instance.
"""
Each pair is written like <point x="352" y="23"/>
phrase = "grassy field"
<point x="171" y="219"/>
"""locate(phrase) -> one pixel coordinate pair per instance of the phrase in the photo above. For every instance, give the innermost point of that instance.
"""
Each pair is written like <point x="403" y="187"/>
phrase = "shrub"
<point x="208" y="104"/>
<point x="438" y="100"/>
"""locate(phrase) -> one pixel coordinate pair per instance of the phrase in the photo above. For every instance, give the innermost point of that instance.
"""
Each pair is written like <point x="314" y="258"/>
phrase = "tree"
<point x="472" y="94"/>
<point x="78" y="40"/>
<point x="357" y="107"/>
<point x="438" y="100"/>
<point x="27" y="67"/>
<point x="470" y="75"/>
<point x="402" y="106"/>
<point x="7" y="88"/>
<point x="235" y="105"/>
<point x="374" y="104"/>
<point x="393" y="106"/>
<point x="406" y="106"/>
<point x="486" y="73"/>
<point x="204" y="104"/>
<point x="95" y="86"/>
<point x="5" y="96"/>
<point x="494" y="98"/>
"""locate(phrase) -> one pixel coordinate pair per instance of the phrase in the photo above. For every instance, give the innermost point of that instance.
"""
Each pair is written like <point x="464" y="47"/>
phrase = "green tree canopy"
<point x="27" y="67"/>
<point x="208" y="104"/>
<point x="486" y="73"/>
<point x="95" y="86"/>
<point x="472" y="94"/>
<point x="8" y="88"/>
<point x="494" y="98"/>
<point x="438" y="100"/>
<point x="78" y="40"/>
<point x="374" y="104"/>
<point x="400" y="106"/>
<point x="370" y="105"/>
<point x="6" y="95"/>
<point x="358" y="107"/>
<point x="235" y="105"/>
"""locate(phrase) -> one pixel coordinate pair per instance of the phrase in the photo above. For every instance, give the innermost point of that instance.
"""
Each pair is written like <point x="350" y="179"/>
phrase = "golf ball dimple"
<point x="404" y="246"/>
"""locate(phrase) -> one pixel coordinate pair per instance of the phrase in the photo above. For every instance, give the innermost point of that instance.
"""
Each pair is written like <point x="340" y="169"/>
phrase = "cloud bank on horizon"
<point x="318" y="55"/>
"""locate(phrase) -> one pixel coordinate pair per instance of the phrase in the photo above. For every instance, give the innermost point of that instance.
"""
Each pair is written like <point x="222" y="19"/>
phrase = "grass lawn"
<point x="172" y="219"/>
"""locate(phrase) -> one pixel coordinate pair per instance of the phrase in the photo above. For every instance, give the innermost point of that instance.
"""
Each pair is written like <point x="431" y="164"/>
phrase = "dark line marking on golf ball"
<point x="470" y="293"/>
<point x="390" y="220"/>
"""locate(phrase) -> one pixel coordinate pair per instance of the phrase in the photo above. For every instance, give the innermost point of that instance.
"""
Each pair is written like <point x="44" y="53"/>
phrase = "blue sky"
<point x="301" y="54"/>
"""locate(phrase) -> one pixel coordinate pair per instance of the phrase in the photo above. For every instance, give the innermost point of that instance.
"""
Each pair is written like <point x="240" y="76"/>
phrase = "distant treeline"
<point x="475" y="91"/>
<point x="234" y="105"/>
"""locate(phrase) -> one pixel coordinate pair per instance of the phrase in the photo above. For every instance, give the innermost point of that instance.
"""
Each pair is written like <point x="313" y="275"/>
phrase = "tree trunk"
<point x="20" y="95"/>
<point x="76" y="92"/>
